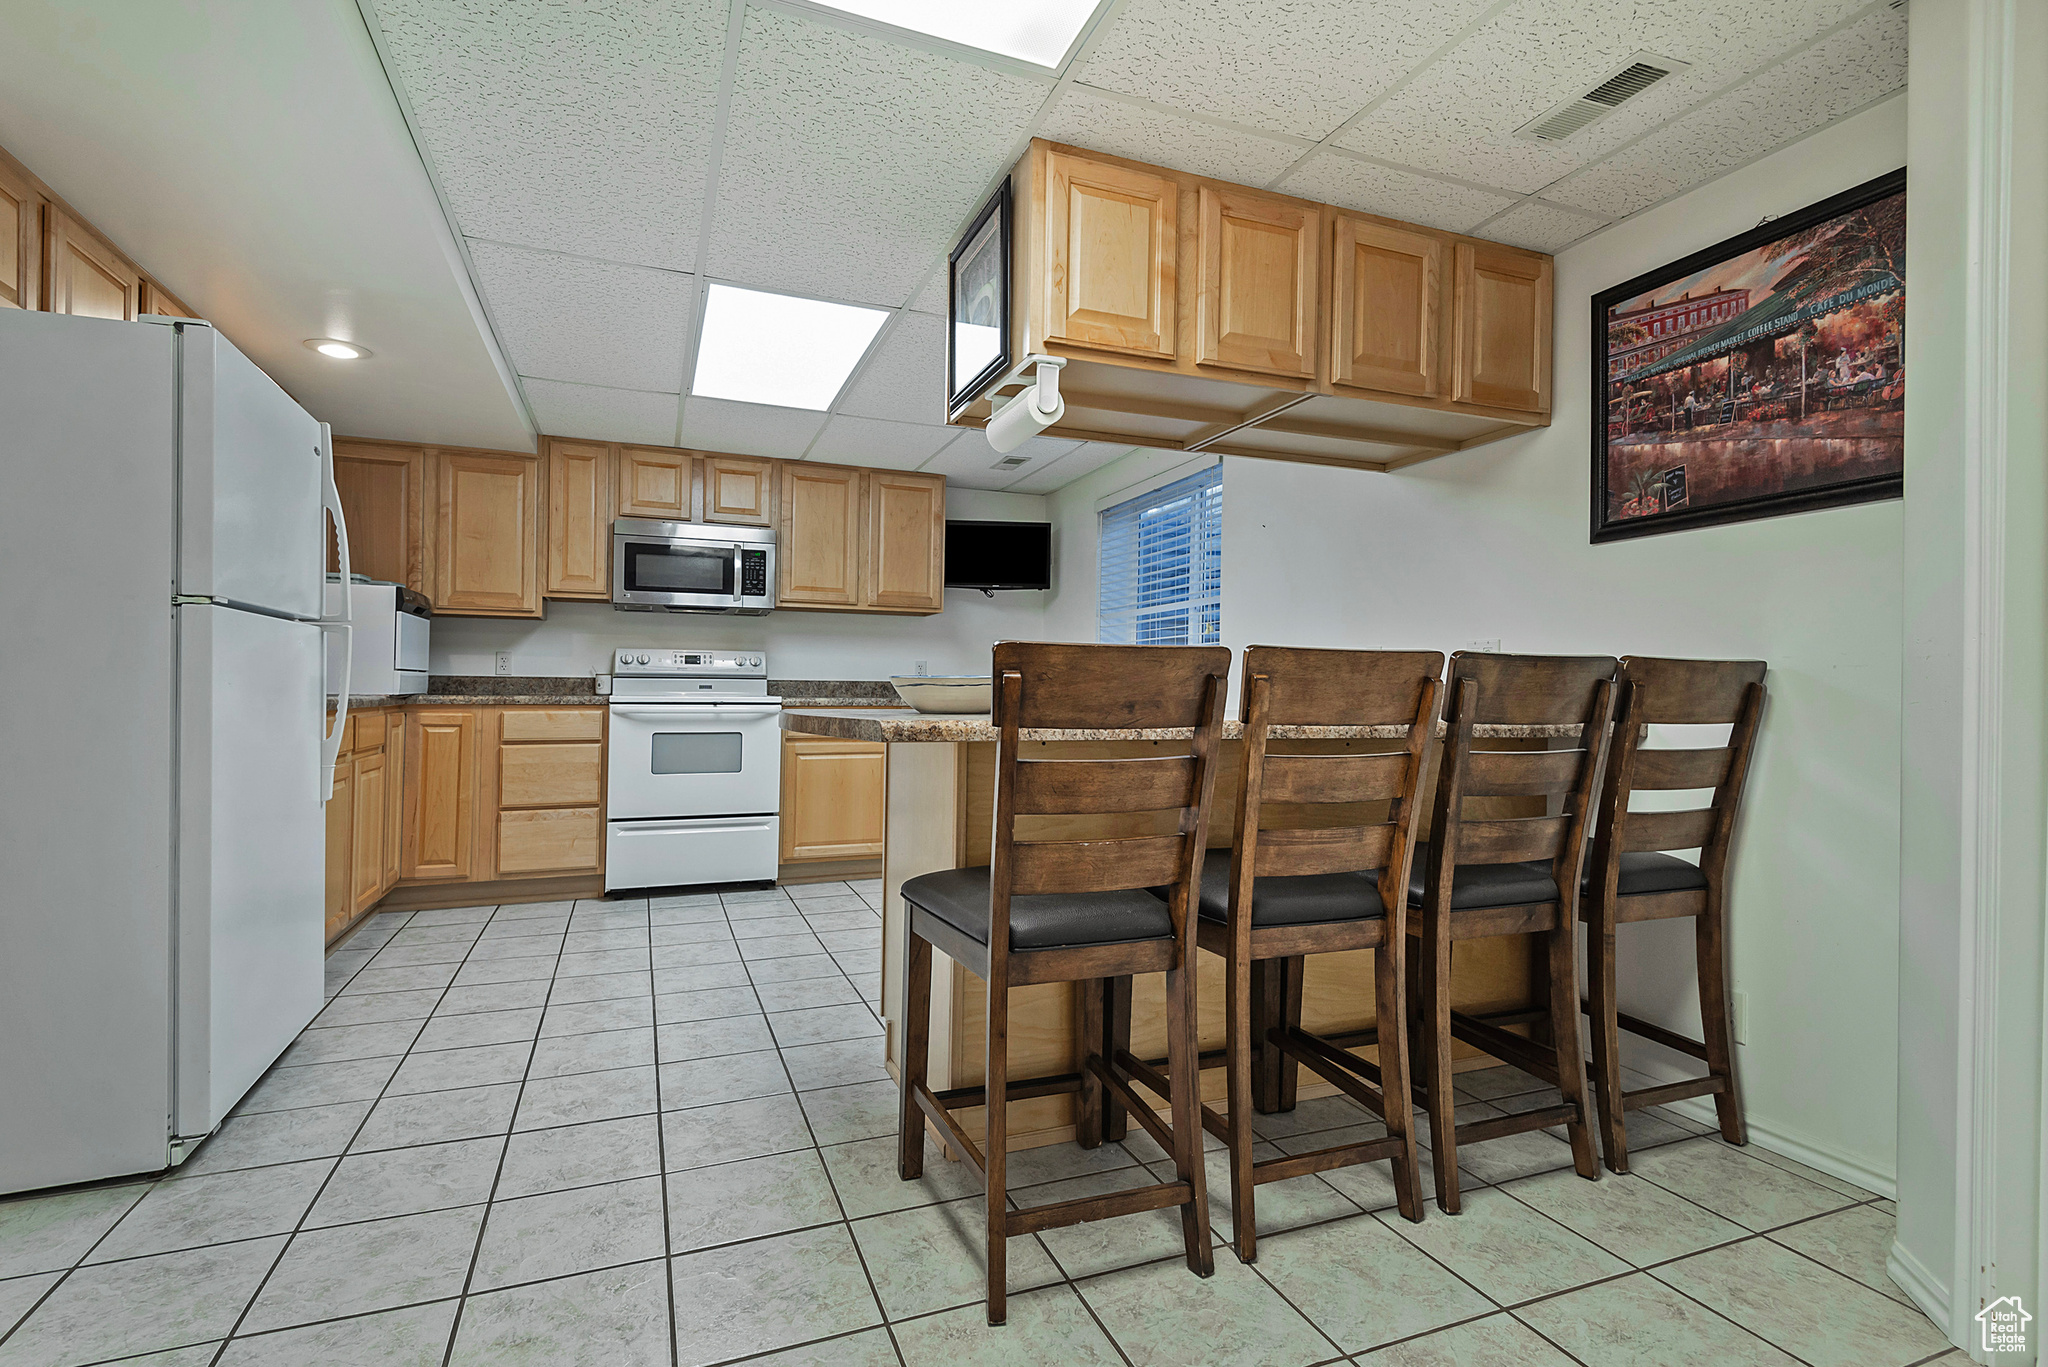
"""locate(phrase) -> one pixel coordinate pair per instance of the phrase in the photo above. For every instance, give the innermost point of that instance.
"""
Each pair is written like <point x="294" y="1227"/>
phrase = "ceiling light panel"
<point x="850" y="161"/>
<point x="1300" y="68"/>
<point x="1035" y="31"/>
<point x="779" y="349"/>
<point x="582" y="128"/>
<point x="593" y="322"/>
<point x="599" y="414"/>
<point x="1104" y="123"/>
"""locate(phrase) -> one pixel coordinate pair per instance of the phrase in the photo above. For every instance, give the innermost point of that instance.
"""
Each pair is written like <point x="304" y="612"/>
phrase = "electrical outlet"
<point x="1491" y="647"/>
<point x="920" y="666"/>
<point x="504" y="662"/>
<point x="1741" y="1013"/>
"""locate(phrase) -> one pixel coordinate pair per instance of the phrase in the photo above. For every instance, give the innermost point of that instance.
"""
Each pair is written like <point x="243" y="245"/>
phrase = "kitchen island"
<point x="941" y="792"/>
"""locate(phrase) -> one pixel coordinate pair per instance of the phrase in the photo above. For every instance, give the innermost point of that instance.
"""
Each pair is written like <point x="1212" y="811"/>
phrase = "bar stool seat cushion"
<point x="1647" y="871"/>
<point x="1304" y="900"/>
<point x="1486" y="885"/>
<point x="960" y="898"/>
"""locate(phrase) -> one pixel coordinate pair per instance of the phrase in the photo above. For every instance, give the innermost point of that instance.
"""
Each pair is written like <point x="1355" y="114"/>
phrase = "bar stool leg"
<point x="1564" y="1028"/>
<point x="1606" y="1076"/>
<point x="1116" y="1038"/>
<point x="995" y="1148"/>
<point x="1184" y="1083"/>
<point x="1239" y="1014"/>
<point x="1266" y="994"/>
<point x="1087" y="1036"/>
<point x="917" y="1016"/>
<point x="1292" y="972"/>
<point x="1436" y="1060"/>
<point x="1391" y="1012"/>
<point x="1711" y="950"/>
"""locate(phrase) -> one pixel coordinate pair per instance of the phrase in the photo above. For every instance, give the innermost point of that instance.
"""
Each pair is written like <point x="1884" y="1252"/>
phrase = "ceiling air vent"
<point x="1010" y="462"/>
<point x="1635" y="76"/>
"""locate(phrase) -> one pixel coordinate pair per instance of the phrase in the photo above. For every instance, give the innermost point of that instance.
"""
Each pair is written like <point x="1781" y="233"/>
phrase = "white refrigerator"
<point x="163" y="759"/>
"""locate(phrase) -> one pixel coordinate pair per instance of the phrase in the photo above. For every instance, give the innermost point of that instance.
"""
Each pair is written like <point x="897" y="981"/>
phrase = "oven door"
<point x="694" y="759"/>
<point x="655" y="571"/>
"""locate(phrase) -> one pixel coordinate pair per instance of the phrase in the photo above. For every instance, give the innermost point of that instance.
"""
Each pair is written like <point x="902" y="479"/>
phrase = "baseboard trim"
<point x="828" y="870"/>
<point x="1923" y="1286"/>
<point x="497" y="892"/>
<point x="1796" y="1147"/>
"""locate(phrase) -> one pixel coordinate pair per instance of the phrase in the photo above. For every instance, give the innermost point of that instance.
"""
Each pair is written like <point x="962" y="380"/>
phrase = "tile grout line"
<point x="668" y="1248"/>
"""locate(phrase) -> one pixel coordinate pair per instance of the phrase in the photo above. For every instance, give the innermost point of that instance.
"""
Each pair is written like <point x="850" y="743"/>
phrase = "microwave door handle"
<point x="738" y="582"/>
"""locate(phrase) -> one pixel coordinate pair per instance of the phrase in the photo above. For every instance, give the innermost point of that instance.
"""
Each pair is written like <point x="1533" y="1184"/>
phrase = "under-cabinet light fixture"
<point x="780" y="349"/>
<point x="1035" y="31"/>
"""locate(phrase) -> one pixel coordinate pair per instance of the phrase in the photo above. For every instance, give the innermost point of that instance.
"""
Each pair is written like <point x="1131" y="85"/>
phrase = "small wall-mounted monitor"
<point x="998" y="555"/>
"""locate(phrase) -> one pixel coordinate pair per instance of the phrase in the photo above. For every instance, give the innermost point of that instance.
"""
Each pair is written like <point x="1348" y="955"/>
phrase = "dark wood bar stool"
<point x="1065" y="910"/>
<point x="1490" y="877"/>
<point x="1318" y="883"/>
<point x="1632" y="877"/>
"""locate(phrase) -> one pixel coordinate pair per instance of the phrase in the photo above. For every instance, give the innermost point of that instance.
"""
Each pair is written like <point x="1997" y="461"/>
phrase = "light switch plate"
<point x="1491" y="647"/>
<point x="1741" y="1013"/>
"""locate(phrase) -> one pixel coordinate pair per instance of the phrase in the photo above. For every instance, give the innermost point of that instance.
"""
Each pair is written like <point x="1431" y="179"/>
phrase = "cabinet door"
<point x="653" y="483"/>
<point x="740" y="490"/>
<point x="394" y="800"/>
<point x="341" y="811"/>
<point x="21" y="240"/>
<point x="440" y="796"/>
<point x="366" y="847"/>
<point x="1386" y="308"/>
<point x="819" y="550"/>
<point x="1503" y="312"/>
<point x="579" y="520"/>
<point x="906" y="544"/>
<point x="486" y="551"/>
<point x="160" y="301"/>
<point x="1110" y="237"/>
<point x="383" y="495"/>
<point x="87" y="276"/>
<point x="833" y="798"/>
<point x="1256" y="308"/>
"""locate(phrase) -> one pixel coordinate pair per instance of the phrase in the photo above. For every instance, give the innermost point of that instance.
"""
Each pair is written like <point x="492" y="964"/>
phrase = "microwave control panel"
<point x="753" y="573"/>
<point x="700" y="663"/>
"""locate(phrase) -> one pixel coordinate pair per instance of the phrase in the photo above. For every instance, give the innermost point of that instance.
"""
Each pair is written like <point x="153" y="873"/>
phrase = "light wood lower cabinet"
<point x="546" y="777"/>
<point x="341" y="811"/>
<point x="366" y="841"/>
<point x="440" y="796"/>
<point x="364" y="816"/>
<point x="833" y="798"/>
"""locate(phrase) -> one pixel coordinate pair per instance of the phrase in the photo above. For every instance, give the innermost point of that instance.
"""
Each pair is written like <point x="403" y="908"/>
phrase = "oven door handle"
<point x="627" y="828"/>
<point x="700" y="712"/>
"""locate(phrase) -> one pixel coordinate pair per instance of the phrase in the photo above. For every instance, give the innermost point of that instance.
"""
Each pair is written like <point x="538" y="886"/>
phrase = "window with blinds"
<point x="1161" y="566"/>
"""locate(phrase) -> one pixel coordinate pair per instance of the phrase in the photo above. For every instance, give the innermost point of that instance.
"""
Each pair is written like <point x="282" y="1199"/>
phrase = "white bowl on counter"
<point x="948" y="695"/>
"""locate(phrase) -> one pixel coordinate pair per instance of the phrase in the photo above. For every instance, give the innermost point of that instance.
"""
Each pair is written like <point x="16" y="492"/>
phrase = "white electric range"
<point x="694" y="779"/>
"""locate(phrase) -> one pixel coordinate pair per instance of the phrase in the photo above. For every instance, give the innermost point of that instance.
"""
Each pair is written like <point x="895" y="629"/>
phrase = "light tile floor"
<point x="659" y="1133"/>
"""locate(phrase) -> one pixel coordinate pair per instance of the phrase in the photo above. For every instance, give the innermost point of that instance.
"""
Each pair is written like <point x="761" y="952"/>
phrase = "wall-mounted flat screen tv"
<point x="998" y="555"/>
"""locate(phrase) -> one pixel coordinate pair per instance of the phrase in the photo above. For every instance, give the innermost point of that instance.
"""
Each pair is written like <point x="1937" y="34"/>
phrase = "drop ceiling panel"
<point x="1458" y="116"/>
<point x="1107" y="123"/>
<point x="1077" y="464"/>
<point x="849" y="160"/>
<point x="971" y="461"/>
<point x="1300" y="68"/>
<point x="600" y="414"/>
<point x="883" y="445"/>
<point x="906" y="377"/>
<point x="1540" y="227"/>
<point x="579" y="127"/>
<point x="1847" y="70"/>
<point x="931" y="297"/>
<point x="570" y="318"/>
<point x="1335" y="178"/>
<point x="748" y="429"/>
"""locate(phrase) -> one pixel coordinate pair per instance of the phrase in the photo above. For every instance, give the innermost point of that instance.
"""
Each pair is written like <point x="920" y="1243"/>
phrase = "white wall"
<point x="1492" y="544"/>
<point x="579" y="638"/>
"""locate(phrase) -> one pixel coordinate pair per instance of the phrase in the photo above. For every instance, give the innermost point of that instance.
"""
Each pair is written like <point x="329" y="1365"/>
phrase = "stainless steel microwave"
<point x="691" y="567"/>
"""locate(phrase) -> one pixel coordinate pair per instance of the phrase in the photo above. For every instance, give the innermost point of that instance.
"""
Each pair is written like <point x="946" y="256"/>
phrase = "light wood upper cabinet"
<point x="818" y="551"/>
<point x="87" y="276"/>
<point x="160" y="301"/>
<point x="1503" y="327"/>
<point x="906" y="542"/>
<point x="486" y="550"/>
<point x="1259" y="283"/>
<point x="441" y="792"/>
<point x="653" y="483"/>
<point x="579" y="520"/>
<point x="21" y="240"/>
<point x="1111" y="236"/>
<point x="1386" y="307"/>
<point x="383" y="496"/>
<point x="834" y="798"/>
<point x="738" y="489"/>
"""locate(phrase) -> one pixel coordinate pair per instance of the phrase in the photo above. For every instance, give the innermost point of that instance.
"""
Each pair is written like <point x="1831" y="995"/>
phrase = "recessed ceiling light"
<point x="1036" y="31"/>
<point x="339" y="350"/>
<point x="779" y="349"/>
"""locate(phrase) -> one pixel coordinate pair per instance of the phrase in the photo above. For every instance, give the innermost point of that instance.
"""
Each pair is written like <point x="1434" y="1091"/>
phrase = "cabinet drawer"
<point x="563" y="775"/>
<point x="368" y="730"/>
<point x="553" y="723"/>
<point x="563" y="840"/>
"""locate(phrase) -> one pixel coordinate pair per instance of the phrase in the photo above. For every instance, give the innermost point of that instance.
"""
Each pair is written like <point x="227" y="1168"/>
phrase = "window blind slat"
<point x="1161" y="565"/>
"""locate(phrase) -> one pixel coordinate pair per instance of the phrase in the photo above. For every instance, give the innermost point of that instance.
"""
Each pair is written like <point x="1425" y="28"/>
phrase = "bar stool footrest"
<point x="1672" y="1091"/>
<point x="1083" y="1209"/>
<point x="970" y="1152"/>
<point x="1525" y="1054"/>
<point x="1323" y="1160"/>
<point x="1521" y="1122"/>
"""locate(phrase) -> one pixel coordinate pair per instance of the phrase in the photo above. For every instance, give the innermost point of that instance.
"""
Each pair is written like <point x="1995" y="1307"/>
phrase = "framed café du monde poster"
<point x="1764" y="375"/>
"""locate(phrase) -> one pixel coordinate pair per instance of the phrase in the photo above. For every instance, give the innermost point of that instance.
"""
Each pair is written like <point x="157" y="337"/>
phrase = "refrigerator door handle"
<point x="330" y="503"/>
